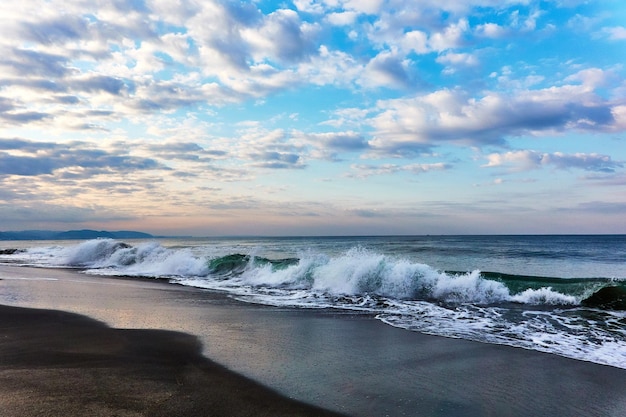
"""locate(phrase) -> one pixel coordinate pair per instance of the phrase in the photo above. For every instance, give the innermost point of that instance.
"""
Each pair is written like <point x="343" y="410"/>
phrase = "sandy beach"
<point x="55" y="363"/>
<point x="151" y="348"/>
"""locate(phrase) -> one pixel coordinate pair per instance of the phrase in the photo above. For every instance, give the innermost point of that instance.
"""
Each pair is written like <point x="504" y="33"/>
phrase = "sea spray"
<point x="148" y="259"/>
<point x="543" y="295"/>
<point x="356" y="271"/>
<point x="95" y="253"/>
<point x="544" y="312"/>
<point x="361" y="272"/>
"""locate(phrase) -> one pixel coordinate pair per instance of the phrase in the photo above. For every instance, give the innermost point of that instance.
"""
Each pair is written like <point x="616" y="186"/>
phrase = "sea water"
<point x="564" y="295"/>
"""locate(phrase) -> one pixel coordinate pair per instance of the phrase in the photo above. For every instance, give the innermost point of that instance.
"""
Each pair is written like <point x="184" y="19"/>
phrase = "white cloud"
<point x="160" y="86"/>
<point x="342" y="18"/>
<point x="583" y="23"/>
<point x="457" y="60"/>
<point x="387" y="69"/>
<point x="176" y="12"/>
<point x="416" y="41"/>
<point x="282" y="37"/>
<point x="616" y="33"/>
<point x="341" y="141"/>
<point x="309" y="6"/>
<point x="407" y="125"/>
<point x="331" y="68"/>
<point x="491" y="30"/>
<point x="591" y="78"/>
<point x="519" y="160"/>
<point x="525" y="160"/>
<point x="365" y="170"/>
<point x="363" y="6"/>
<point x="619" y="115"/>
<point x="450" y="37"/>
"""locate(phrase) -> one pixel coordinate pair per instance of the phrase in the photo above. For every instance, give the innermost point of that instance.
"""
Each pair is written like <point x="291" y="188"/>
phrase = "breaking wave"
<point x="574" y="317"/>
<point x="355" y="272"/>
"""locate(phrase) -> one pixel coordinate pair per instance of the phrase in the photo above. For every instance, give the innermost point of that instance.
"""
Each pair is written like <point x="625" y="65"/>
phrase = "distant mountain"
<point x="72" y="234"/>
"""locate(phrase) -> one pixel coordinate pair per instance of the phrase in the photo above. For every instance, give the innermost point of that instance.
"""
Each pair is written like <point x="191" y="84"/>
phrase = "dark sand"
<point x="55" y="363"/>
<point x="348" y="363"/>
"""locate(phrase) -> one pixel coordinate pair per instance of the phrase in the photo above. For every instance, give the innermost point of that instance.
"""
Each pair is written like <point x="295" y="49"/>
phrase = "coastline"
<point x="348" y="363"/>
<point x="56" y="363"/>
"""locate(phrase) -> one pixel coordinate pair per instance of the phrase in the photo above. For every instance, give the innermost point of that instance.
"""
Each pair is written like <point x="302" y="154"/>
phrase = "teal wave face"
<point x="602" y="293"/>
<point x="235" y="264"/>
<point x="599" y="293"/>
<point x="229" y="264"/>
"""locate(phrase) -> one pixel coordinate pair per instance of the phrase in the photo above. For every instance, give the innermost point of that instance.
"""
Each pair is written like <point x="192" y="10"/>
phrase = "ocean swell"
<point x="361" y="272"/>
<point x="355" y="272"/>
<point x="579" y="318"/>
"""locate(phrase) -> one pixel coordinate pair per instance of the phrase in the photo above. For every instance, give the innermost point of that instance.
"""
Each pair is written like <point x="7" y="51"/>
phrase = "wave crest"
<point x="98" y="253"/>
<point x="361" y="272"/>
<point x="355" y="272"/>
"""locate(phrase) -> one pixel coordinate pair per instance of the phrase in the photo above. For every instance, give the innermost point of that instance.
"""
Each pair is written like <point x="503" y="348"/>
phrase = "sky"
<point x="307" y="117"/>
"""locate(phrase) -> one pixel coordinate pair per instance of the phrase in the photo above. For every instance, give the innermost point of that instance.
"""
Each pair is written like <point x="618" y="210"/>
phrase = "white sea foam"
<point x="356" y="271"/>
<point x="401" y="292"/>
<point x="97" y="253"/>
<point x="542" y="331"/>
<point x="543" y="295"/>
<point x="148" y="259"/>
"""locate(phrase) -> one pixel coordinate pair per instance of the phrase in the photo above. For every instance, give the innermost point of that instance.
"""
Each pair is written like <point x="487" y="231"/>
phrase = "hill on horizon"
<point x="72" y="234"/>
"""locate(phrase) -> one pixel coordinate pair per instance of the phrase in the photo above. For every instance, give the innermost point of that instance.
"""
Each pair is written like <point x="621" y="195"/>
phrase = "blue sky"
<point x="314" y="117"/>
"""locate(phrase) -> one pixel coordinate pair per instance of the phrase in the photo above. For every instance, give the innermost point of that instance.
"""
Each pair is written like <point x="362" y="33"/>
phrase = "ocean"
<point x="561" y="294"/>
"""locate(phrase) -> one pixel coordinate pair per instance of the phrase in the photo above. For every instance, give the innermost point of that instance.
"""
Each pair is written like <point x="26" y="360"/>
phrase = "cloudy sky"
<point x="313" y="117"/>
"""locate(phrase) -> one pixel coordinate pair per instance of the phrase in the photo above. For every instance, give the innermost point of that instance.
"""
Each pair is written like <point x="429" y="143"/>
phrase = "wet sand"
<point x="347" y="363"/>
<point x="54" y="363"/>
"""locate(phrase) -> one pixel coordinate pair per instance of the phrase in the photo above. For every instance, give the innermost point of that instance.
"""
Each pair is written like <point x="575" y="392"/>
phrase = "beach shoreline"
<point x="348" y="363"/>
<point x="56" y="363"/>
